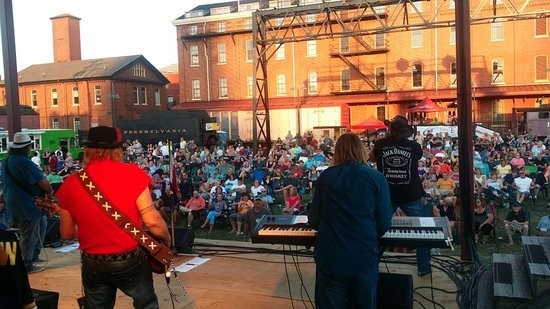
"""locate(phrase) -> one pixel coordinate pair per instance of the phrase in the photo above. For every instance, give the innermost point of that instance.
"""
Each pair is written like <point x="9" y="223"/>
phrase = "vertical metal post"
<point x="465" y="131"/>
<point x="10" y="67"/>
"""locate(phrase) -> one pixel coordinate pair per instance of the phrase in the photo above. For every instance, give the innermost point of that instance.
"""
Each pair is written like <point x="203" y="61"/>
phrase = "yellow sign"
<point x="212" y="126"/>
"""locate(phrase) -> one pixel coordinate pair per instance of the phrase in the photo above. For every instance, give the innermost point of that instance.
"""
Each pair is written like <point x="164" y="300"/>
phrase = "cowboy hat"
<point x="399" y="127"/>
<point x="103" y="137"/>
<point x="20" y="140"/>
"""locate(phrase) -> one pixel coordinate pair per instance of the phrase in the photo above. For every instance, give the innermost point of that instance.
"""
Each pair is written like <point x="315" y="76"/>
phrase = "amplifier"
<point x="46" y="299"/>
<point x="395" y="291"/>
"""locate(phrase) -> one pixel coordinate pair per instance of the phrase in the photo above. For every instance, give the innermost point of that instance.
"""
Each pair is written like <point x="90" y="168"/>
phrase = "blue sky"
<point x="108" y="28"/>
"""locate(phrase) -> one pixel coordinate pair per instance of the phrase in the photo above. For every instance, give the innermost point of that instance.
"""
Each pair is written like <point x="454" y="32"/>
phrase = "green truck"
<point x="44" y="139"/>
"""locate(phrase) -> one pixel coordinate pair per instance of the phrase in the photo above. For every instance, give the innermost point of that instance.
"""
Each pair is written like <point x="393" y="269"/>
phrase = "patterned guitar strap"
<point x="156" y="249"/>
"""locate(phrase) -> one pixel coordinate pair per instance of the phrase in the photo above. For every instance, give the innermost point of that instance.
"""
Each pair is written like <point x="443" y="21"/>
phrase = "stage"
<point x="238" y="275"/>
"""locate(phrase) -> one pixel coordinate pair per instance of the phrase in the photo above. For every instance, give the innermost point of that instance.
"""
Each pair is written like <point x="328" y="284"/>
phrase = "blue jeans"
<point x="346" y="291"/>
<point x="29" y="239"/>
<point x="416" y="209"/>
<point x="132" y="276"/>
<point x="211" y="216"/>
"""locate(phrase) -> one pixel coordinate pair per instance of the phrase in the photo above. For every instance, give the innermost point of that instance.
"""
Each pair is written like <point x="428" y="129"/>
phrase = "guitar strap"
<point x="157" y="250"/>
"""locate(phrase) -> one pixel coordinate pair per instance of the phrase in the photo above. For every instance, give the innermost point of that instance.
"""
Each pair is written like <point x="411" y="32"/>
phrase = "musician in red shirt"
<point x="111" y="258"/>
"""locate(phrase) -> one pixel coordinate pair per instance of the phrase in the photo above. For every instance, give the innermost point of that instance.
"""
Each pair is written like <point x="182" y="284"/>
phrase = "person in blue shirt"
<point x="351" y="209"/>
<point x="22" y="181"/>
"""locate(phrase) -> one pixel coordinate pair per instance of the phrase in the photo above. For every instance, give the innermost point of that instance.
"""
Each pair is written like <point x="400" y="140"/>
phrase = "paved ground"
<point x="232" y="278"/>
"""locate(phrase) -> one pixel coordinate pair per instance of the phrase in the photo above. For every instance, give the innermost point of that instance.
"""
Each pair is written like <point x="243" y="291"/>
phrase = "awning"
<point x="427" y="105"/>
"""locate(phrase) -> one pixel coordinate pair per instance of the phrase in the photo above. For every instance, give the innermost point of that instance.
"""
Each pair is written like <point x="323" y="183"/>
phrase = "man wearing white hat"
<point x="22" y="181"/>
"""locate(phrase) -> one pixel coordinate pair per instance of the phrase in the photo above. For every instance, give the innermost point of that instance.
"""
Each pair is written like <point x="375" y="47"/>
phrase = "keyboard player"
<point x="350" y="210"/>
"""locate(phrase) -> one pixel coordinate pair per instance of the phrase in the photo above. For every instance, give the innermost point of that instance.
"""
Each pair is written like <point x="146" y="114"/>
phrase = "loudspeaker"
<point x="183" y="239"/>
<point x="46" y="299"/>
<point x="52" y="231"/>
<point x="395" y="291"/>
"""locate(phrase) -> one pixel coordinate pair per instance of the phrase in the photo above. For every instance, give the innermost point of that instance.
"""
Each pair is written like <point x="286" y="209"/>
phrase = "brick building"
<point x="338" y="82"/>
<point x="74" y="93"/>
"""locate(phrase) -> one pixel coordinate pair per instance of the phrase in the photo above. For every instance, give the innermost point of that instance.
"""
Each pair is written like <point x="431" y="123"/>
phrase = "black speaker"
<point x="395" y="291"/>
<point x="52" y="231"/>
<point x="46" y="299"/>
<point x="183" y="239"/>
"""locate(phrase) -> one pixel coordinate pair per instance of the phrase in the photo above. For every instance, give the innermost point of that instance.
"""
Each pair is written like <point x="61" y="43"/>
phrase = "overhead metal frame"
<point x="390" y="15"/>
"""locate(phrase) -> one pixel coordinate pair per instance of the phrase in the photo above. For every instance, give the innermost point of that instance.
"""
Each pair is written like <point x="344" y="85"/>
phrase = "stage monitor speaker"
<point x="183" y="239"/>
<point x="52" y="231"/>
<point x="46" y="299"/>
<point x="395" y="291"/>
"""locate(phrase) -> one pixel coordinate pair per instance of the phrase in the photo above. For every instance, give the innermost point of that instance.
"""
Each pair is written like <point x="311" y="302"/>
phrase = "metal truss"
<point x="273" y="27"/>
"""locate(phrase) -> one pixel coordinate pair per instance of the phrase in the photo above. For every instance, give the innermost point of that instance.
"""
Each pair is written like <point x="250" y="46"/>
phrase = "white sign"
<point x="425" y="130"/>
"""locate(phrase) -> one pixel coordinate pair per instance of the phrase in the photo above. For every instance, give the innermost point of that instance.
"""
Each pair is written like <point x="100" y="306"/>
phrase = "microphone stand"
<point x="173" y="211"/>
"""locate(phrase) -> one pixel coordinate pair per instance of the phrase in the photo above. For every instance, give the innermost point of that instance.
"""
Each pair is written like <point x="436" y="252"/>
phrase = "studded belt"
<point x="113" y="257"/>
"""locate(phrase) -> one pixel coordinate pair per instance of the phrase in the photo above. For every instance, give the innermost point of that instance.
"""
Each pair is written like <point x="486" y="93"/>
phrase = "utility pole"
<point x="10" y="67"/>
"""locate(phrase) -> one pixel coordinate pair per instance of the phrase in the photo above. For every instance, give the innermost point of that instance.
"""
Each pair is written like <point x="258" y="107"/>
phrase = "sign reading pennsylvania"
<point x="153" y="131"/>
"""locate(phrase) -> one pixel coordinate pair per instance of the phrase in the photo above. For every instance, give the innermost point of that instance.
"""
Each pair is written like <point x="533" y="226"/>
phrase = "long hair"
<point x="349" y="148"/>
<point x="91" y="154"/>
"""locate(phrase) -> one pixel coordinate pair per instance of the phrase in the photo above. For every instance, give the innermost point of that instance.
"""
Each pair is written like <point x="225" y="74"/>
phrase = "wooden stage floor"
<point x="235" y="277"/>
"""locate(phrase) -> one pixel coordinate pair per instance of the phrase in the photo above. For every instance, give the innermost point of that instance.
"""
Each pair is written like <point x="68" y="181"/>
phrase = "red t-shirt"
<point x="121" y="184"/>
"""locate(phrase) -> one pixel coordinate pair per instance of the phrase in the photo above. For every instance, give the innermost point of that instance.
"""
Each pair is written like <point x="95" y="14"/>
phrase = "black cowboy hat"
<point x="399" y="127"/>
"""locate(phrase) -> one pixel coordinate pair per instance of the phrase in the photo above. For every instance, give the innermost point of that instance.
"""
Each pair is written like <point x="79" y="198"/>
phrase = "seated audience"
<point x="194" y="207"/>
<point x="214" y="211"/>
<point x="236" y="219"/>
<point x="516" y="221"/>
<point x="484" y="220"/>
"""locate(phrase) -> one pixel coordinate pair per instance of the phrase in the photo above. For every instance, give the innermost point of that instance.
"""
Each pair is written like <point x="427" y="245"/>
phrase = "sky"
<point x="108" y="28"/>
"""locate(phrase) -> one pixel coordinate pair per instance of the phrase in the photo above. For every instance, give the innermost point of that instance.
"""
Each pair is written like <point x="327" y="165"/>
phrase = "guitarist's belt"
<point x="114" y="257"/>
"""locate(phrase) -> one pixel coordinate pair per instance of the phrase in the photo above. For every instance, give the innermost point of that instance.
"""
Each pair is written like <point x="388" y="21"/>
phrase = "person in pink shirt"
<point x="517" y="161"/>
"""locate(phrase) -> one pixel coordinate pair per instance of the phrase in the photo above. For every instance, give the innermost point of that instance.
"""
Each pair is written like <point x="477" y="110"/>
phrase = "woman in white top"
<point x="494" y="186"/>
<point x="479" y="180"/>
<point x="256" y="188"/>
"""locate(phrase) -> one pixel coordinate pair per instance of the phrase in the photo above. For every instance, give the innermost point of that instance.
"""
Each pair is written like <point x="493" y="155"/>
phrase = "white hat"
<point x="20" y="140"/>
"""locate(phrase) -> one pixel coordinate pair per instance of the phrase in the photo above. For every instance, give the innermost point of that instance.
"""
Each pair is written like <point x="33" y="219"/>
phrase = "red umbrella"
<point x="427" y="105"/>
<point x="370" y="123"/>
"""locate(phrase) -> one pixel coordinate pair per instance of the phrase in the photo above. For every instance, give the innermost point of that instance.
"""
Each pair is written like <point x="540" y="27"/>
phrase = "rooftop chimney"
<point x="66" y="38"/>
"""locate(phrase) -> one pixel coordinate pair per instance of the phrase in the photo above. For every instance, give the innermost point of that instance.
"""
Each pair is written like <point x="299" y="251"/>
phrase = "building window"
<point x="157" y="97"/>
<point x="248" y="23"/>
<point x="541" y="68"/>
<point x="311" y="18"/>
<point x="498" y="111"/>
<point x="55" y="123"/>
<point x="76" y="124"/>
<point x="417" y="75"/>
<point x="135" y="95"/>
<point x="311" y="48"/>
<point x="344" y="44"/>
<point x="75" y="96"/>
<point x="194" y="51"/>
<point x="34" y="98"/>
<point x="541" y="27"/>
<point x="54" y="97"/>
<point x="281" y="84"/>
<point x="416" y="38"/>
<point x="452" y="4"/>
<point x="497" y="31"/>
<point x="279" y="21"/>
<point x="222" y="54"/>
<point x="418" y="6"/>
<point x="221" y="27"/>
<point x="223" y="88"/>
<point x="453" y="74"/>
<point x="280" y="53"/>
<point x="249" y="86"/>
<point x="380" y="77"/>
<point x="97" y="94"/>
<point x="196" y="89"/>
<point x="139" y="70"/>
<point x="143" y="96"/>
<point x="380" y="112"/>
<point x="345" y="80"/>
<point x="498" y="71"/>
<point x="249" y="50"/>
<point x="452" y="35"/>
<point x="312" y="82"/>
<point x="379" y="40"/>
<point x="194" y="30"/>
